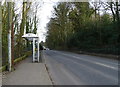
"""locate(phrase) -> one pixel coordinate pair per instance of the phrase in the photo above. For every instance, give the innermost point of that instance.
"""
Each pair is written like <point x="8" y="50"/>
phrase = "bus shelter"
<point x="35" y="40"/>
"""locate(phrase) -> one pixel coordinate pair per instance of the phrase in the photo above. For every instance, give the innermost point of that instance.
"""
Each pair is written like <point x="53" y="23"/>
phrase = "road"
<point x="66" y="68"/>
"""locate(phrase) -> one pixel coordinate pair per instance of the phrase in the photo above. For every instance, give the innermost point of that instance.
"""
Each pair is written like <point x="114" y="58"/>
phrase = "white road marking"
<point x="101" y="64"/>
<point x="106" y="65"/>
<point x="97" y="71"/>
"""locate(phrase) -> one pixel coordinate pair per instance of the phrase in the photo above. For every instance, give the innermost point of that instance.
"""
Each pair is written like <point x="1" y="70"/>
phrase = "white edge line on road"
<point x="101" y="64"/>
<point x="106" y="65"/>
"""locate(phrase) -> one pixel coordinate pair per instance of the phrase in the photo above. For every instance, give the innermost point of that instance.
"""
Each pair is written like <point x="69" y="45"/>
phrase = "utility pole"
<point x="9" y="34"/>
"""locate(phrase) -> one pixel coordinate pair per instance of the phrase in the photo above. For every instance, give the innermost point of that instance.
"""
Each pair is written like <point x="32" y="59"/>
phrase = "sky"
<point x="44" y="14"/>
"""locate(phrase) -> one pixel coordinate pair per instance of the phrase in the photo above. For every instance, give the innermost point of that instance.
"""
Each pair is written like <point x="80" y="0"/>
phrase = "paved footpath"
<point x="28" y="73"/>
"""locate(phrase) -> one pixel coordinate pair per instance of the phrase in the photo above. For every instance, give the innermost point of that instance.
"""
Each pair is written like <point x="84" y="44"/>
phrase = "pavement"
<point x="28" y="73"/>
<point x="66" y="68"/>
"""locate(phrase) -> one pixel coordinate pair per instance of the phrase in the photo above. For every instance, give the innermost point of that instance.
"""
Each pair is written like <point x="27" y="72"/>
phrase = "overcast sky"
<point x="44" y="15"/>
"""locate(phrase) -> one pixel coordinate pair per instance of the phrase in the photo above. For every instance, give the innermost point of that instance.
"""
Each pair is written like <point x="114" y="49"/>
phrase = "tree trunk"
<point x="113" y="13"/>
<point x="117" y="13"/>
<point x="22" y="30"/>
<point x="0" y="33"/>
<point x="9" y="34"/>
<point x="12" y="44"/>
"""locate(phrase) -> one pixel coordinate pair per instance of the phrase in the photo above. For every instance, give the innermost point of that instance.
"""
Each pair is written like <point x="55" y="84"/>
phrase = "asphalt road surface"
<point x="66" y="68"/>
